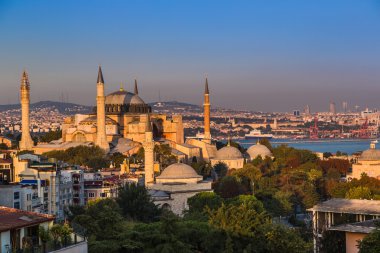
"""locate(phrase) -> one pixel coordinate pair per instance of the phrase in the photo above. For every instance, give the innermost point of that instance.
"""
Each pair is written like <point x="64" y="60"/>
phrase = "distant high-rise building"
<point x="345" y="106"/>
<point x="332" y="108"/>
<point x="307" y="109"/>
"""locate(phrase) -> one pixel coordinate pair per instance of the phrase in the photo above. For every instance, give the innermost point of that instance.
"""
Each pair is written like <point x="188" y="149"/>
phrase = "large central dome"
<point x="125" y="102"/>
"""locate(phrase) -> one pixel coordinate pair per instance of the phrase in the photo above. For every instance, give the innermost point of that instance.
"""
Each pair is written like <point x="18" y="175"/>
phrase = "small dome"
<point x="178" y="171"/>
<point x="123" y="97"/>
<point x="228" y="153"/>
<point x="259" y="150"/>
<point x="371" y="154"/>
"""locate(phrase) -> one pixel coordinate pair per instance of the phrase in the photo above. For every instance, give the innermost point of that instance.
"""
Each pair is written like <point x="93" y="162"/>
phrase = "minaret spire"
<point x="206" y="113"/>
<point x="25" y="79"/>
<point x="136" y="89"/>
<point x="100" y="75"/>
<point x="206" y="87"/>
<point x="101" y="137"/>
<point x="26" y="142"/>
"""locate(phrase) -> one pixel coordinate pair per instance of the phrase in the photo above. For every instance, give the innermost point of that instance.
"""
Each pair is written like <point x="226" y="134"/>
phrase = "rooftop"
<point x="11" y="218"/>
<point x="364" y="227"/>
<point x="353" y="206"/>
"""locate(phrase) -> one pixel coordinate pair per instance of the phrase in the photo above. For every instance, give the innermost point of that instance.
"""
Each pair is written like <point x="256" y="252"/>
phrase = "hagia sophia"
<point x="123" y="122"/>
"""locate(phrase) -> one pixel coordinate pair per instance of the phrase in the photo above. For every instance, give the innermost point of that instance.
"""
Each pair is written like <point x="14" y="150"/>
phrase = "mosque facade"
<point x="118" y="118"/>
<point x="368" y="163"/>
<point x="125" y="117"/>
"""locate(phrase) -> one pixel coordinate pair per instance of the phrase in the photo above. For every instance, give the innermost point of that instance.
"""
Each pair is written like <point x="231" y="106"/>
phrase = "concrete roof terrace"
<point x="351" y="206"/>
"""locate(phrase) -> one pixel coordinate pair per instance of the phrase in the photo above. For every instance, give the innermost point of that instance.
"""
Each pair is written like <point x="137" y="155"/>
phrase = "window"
<point x="91" y="195"/>
<point x="28" y="197"/>
<point x="16" y="205"/>
<point x="16" y="195"/>
<point x="103" y="194"/>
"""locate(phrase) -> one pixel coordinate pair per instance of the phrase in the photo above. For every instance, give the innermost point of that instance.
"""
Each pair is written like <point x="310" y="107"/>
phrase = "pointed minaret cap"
<point x="136" y="89"/>
<point x="148" y="124"/>
<point x="100" y="75"/>
<point x="206" y="87"/>
<point x="25" y="78"/>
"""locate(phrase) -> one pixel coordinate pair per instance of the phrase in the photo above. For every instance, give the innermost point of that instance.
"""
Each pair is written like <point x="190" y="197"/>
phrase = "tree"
<point x="249" y="171"/>
<point x="265" y="142"/>
<point x="202" y="168"/>
<point x="60" y="234"/>
<point x="238" y="220"/>
<point x="371" y="242"/>
<point x="199" y="202"/>
<point x="229" y="187"/>
<point x="117" y="158"/>
<point x="164" y="154"/>
<point x="250" y="230"/>
<point x="44" y="236"/>
<point x="50" y="136"/>
<point x="333" y="241"/>
<point x="102" y="219"/>
<point x="136" y="203"/>
<point x="359" y="193"/>
<point x="220" y="169"/>
<point x="93" y="156"/>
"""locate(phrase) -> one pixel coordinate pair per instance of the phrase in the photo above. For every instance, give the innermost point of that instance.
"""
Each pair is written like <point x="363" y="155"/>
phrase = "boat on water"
<point x="256" y="134"/>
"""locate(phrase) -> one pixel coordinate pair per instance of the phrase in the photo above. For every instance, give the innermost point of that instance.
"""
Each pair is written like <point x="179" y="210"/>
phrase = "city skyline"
<point x="244" y="49"/>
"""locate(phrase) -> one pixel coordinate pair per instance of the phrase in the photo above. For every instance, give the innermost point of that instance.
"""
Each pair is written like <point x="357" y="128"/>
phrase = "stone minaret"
<point x="206" y="106"/>
<point x="101" y="138"/>
<point x="26" y="142"/>
<point x="148" y="152"/>
<point x="136" y="89"/>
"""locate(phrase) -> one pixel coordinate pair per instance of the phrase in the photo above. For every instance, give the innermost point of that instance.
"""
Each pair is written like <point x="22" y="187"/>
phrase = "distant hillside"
<point x="64" y="108"/>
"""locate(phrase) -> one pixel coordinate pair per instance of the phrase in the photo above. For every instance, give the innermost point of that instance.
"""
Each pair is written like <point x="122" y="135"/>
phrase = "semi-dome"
<point x="259" y="150"/>
<point x="179" y="171"/>
<point x="124" y="101"/>
<point x="93" y="120"/>
<point x="228" y="153"/>
<point x="370" y="155"/>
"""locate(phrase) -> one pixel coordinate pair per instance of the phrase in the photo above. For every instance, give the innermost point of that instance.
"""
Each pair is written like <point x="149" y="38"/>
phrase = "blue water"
<point x="348" y="146"/>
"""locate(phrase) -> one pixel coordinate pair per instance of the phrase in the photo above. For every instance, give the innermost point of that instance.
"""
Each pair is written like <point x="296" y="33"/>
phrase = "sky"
<point x="260" y="55"/>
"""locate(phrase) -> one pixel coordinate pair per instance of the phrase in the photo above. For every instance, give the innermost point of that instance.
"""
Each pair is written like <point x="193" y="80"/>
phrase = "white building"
<point x="175" y="185"/>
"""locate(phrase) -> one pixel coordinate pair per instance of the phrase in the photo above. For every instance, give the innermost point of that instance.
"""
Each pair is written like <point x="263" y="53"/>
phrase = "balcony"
<point x="36" y="202"/>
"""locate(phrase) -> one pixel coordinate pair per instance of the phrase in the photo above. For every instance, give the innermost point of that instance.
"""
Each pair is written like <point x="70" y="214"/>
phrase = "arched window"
<point x="167" y="207"/>
<point x="79" y="137"/>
